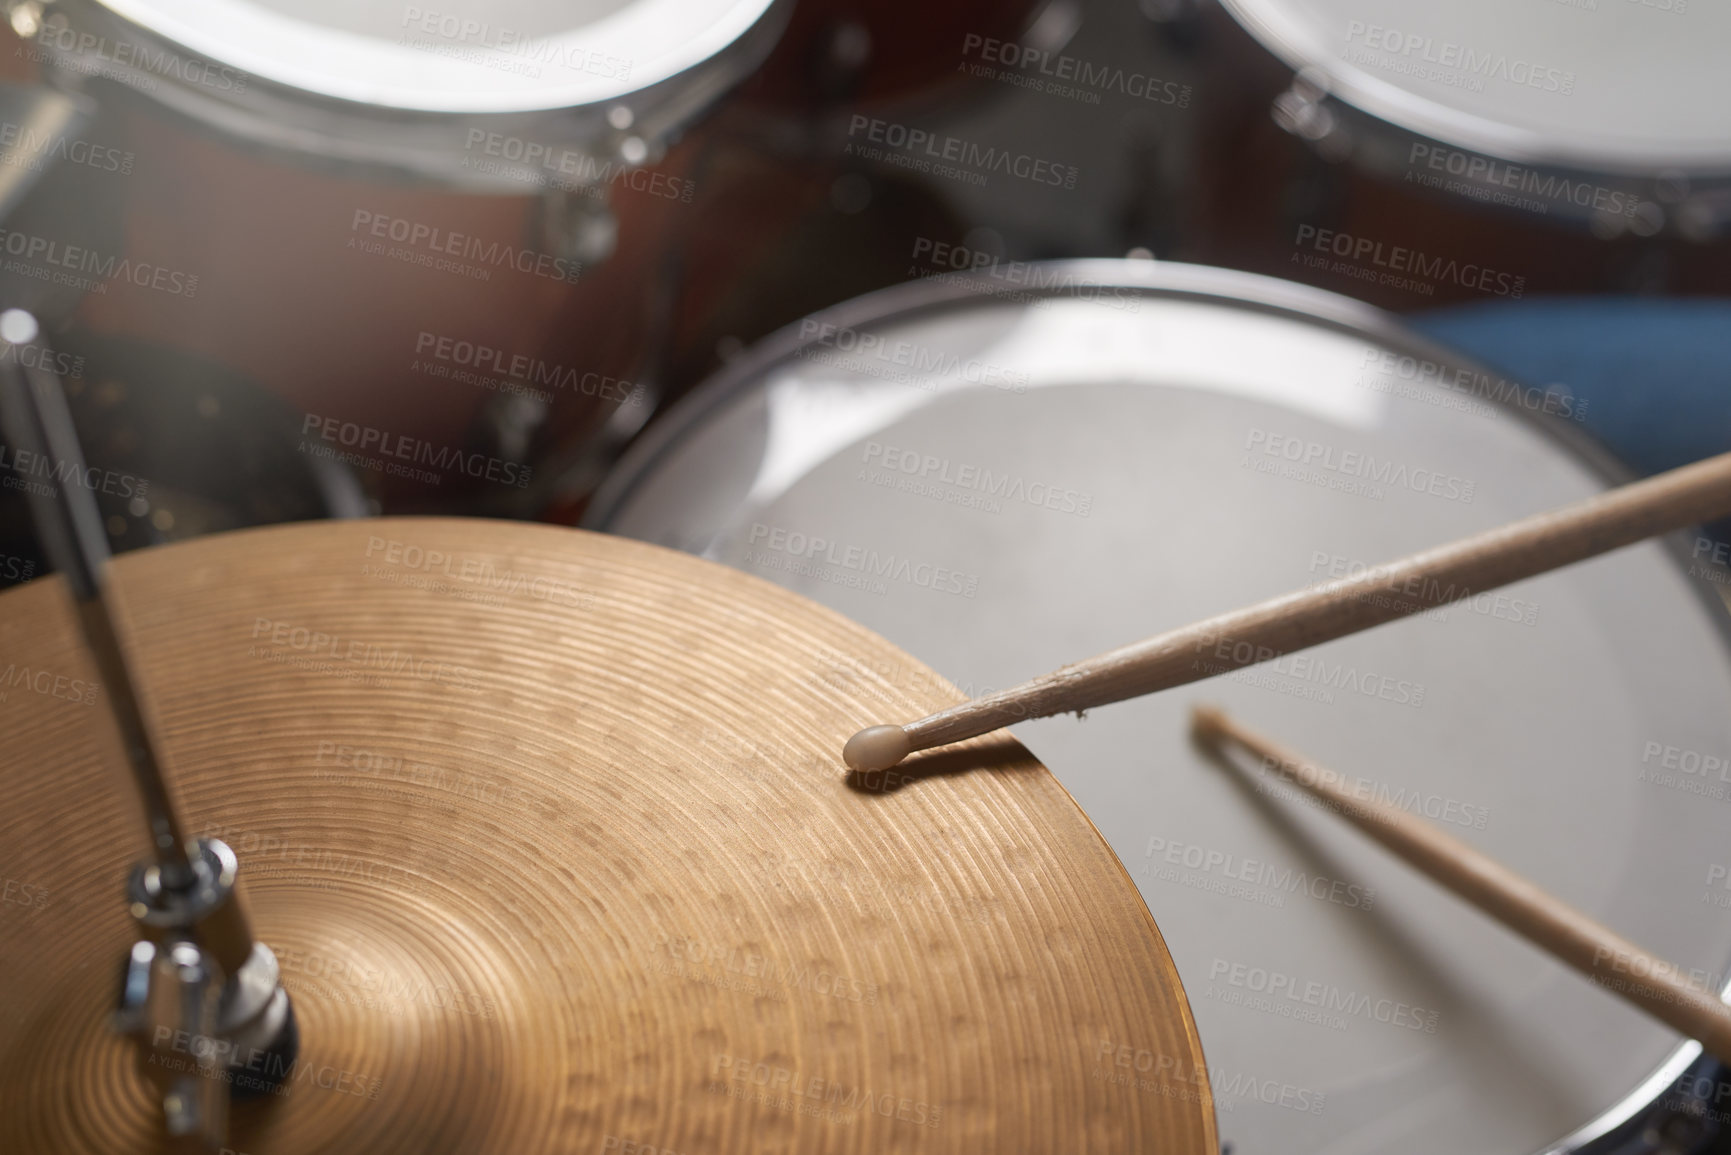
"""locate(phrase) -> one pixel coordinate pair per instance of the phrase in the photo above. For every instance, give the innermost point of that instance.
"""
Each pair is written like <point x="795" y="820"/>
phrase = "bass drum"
<point x="1012" y="472"/>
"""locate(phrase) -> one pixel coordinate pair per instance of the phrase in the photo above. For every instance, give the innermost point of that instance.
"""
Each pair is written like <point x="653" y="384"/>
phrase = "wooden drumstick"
<point x="1611" y="961"/>
<point x="1667" y="501"/>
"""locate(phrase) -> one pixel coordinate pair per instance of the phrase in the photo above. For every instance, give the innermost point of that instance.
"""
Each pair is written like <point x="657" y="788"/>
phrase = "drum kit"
<point x="557" y="429"/>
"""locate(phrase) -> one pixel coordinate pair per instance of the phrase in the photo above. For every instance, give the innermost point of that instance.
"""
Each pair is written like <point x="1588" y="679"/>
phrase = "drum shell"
<point x="1258" y="184"/>
<point x="1426" y="140"/>
<point x="265" y="274"/>
<point x="844" y="53"/>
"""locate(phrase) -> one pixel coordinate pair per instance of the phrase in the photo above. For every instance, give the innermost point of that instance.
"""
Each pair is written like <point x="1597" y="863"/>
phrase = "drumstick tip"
<point x="876" y="748"/>
<point x="1207" y="724"/>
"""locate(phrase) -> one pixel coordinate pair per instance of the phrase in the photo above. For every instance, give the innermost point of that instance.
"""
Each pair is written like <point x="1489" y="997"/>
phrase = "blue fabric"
<point x="1655" y="373"/>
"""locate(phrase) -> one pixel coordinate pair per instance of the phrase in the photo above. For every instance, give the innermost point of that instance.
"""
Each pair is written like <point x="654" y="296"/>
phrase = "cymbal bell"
<point x="551" y="835"/>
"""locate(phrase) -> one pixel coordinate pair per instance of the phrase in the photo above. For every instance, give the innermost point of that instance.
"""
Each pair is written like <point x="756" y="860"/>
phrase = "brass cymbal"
<point x="550" y="832"/>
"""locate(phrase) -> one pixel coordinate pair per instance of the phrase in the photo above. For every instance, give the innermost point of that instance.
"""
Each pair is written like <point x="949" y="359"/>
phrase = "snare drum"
<point x="1023" y="469"/>
<point x="431" y="225"/>
<point x="1603" y="111"/>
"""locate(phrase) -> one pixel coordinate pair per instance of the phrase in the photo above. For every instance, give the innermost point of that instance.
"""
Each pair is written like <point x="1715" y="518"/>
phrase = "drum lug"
<point x="841" y="58"/>
<point x="1304" y="111"/>
<point x="1679" y="1132"/>
<point x="1647" y="220"/>
<point x="578" y="224"/>
<point x="510" y="425"/>
<point x="25" y="16"/>
<point x="633" y="148"/>
<point x="1701" y="214"/>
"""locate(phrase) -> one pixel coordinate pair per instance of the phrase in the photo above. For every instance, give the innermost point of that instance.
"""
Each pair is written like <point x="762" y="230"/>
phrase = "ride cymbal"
<point x="550" y="833"/>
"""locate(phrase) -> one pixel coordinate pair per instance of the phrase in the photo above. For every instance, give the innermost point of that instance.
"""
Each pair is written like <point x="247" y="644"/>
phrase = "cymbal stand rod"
<point x="38" y="423"/>
<point x="201" y="997"/>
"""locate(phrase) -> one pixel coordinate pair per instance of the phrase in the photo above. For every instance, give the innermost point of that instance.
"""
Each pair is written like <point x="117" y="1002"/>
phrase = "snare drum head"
<point x="1005" y="483"/>
<point x="456" y="56"/>
<point x="1613" y="85"/>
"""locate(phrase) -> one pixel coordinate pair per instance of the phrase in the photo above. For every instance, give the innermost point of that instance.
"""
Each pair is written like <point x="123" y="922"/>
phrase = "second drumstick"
<point x="1609" y="960"/>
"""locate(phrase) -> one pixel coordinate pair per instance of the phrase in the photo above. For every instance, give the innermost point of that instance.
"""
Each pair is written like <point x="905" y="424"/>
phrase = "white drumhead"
<point x="1002" y="487"/>
<point x="459" y="56"/>
<point x="1635" y="86"/>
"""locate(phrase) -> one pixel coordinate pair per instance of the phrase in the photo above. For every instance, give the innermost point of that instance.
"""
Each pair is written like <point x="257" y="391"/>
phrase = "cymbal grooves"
<point x="575" y="858"/>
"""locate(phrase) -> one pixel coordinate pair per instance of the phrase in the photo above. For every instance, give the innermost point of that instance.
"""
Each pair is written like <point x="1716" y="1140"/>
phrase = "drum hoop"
<point x="425" y="144"/>
<point x="1171" y="281"/>
<point x="1397" y="109"/>
<point x="736" y="22"/>
<point x="1050" y="280"/>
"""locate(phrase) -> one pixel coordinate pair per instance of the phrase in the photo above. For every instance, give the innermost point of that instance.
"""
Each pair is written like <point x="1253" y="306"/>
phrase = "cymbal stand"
<point x="200" y="996"/>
